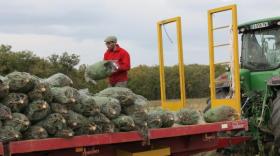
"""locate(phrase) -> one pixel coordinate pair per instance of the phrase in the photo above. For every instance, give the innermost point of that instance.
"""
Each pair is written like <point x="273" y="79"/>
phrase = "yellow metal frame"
<point x="171" y="104"/>
<point x="158" y="151"/>
<point x="235" y="100"/>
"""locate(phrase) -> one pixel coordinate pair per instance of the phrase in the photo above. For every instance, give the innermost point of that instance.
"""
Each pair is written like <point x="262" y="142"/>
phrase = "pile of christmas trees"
<point x="35" y="108"/>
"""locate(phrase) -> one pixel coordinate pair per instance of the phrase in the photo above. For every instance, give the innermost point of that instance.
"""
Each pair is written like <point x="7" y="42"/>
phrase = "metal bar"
<point x="221" y="27"/>
<point x="234" y="101"/>
<point x="170" y="20"/>
<point x="221" y="9"/>
<point x="122" y="137"/>
<point x="221" y="45"/>
<point x="164" y="103"/>
<point x="198" y="129"/>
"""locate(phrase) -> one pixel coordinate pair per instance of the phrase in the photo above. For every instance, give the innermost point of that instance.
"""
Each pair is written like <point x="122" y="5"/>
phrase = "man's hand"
<point x="115" y="66"/>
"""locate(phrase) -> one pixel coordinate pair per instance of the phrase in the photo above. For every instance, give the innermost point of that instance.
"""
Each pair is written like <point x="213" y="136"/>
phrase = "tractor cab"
<point x="260" y="44"/>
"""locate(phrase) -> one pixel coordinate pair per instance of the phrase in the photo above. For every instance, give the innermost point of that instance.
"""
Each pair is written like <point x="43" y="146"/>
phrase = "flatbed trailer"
<point x="182" y="140"/>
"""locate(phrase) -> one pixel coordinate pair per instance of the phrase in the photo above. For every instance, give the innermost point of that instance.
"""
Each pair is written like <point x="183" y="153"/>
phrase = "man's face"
<point x="110" y="45"/>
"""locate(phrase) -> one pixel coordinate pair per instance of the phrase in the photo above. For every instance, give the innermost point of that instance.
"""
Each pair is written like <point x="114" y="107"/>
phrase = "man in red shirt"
<point x="121" y="60"/>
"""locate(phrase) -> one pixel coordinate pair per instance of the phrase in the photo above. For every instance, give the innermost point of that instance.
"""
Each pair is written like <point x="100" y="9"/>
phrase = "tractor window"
<point x="261" y="49"/>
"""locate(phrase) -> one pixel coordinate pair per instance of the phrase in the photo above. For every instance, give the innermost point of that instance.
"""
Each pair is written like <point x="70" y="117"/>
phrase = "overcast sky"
<point x="55" y="26"/>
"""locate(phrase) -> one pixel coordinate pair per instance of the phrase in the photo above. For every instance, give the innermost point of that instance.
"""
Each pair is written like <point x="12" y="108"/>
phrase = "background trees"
<point x="143" y="79"/>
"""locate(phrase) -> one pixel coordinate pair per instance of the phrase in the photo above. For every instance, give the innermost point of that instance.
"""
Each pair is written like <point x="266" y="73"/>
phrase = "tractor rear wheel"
<point x="275" y="120"/>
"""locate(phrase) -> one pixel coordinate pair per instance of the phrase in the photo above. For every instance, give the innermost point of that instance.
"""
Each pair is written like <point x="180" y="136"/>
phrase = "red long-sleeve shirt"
<point x="122" y="59"/>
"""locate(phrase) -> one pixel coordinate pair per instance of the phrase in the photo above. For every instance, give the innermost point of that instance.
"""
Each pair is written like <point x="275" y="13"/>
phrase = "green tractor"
<point x="259" y="80"/>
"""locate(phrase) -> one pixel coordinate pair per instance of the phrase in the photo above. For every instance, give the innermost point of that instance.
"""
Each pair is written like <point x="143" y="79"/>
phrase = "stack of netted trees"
<point x="35" y="108"/>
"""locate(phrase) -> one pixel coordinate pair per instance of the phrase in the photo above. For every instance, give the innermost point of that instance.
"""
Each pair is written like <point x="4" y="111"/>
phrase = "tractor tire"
<point x="220" y="94"/>
<point x="275" y="120"/>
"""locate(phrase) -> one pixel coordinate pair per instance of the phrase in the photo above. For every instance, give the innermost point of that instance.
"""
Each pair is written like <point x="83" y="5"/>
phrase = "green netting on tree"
<point x="89" y="128"/>
<point x="21" y="82"/>
<point x="5" y="112"/>
<point x="9" y="134"/>
<point x="154" y="119"/>
<point x="65" y="95"/>
<point x="99" y="118"/>
<point x="138" y="112"/>
<point x="108" y="128"/>
<point x="124" y="123"/>
<point x="4" y="87"/>
<point x="37" y="110"/>
<point x="53" y="123"/>
<point x="59" y="108"/>
<point x="167" y="117"/>
<point x="85" y="91"/>
<point x="125" y="96"/>
<point x="187" y="116"/>
<point x="19" y="122"/>
<point x="221" y="113"/>
<point x="75" y="120"/>
<point x="16" y="101"/>
<point x="64" y="133"/>
<point x="35" y="132"/>
<point x="103" y="124"/>
<point x="59" y="80"/>
<point x="109" y="106"/>
<point x="41" y="91"/>
<point x="86" y="105"/>
<point x="99" y="70"/>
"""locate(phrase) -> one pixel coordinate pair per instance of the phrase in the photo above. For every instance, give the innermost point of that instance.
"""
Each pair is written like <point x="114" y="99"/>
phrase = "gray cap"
<point x="111" y="39"/>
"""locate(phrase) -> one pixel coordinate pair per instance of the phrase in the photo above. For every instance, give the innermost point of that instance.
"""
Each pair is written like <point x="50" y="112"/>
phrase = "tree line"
<point x="143" y="79"/>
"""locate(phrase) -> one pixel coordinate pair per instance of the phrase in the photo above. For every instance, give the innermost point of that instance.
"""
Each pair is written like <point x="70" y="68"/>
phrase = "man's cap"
<point x="111" y="39"/>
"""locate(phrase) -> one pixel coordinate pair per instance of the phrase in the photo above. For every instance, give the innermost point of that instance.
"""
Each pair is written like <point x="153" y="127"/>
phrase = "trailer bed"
<point x="202" y="137"/>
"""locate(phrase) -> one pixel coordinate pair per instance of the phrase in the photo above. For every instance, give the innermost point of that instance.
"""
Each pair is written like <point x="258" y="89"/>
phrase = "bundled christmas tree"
<point x="187" y="116"/>
<point x="16" y="101"/>
<point x="109" y="106"/>
<point x="221" y="113"/>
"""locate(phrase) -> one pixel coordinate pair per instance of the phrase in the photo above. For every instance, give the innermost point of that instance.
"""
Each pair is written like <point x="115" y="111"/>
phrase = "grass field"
<point x="197" y="104"/>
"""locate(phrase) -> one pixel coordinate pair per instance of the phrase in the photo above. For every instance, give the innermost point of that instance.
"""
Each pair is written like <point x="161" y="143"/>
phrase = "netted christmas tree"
<point x="59" y="108"/>
<point x="221" y="113"/>
<point x="64" y="133"/>
<point x="5" y="112"/>
<point x="4" y="86"/>
<point x="53" y="123"/>
<point x="86" y="105"/>
<point x="187" y="116"/>
<point x="16" y="101"/>
<point x="124" y="123"/>
<point x="65" y="95"/>
<point x="109" y="106"/>
<point x="19" y="122"/>
<point x="99" y="70"/>
<point x="125" y="96"/>
<point x="59" y="80"/>
<point x="154" y="119"/>
<point x="35" y="132"/>
<point x="9" y="134"/>
<point x="21" y="82"/>
<point x="75" y="120"/>
<point x="41" y="91"/>
<point x="37" y="110"/>
<point x="104" y="125"/>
